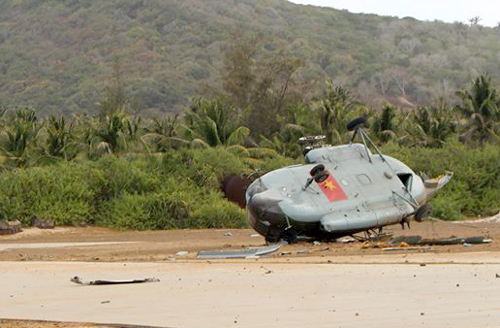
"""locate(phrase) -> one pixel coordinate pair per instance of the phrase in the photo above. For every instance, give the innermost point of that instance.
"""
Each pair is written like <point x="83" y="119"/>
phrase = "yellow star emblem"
<point x="329" y="185"/>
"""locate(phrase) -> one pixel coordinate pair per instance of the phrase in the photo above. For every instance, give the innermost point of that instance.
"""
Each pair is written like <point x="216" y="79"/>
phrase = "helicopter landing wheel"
<point x="290" y="236"/>
<point x="273" y="236"/>
<point x="423" y="212"/>
<point x="317" y="169"/>
<point x="357" y="122"/>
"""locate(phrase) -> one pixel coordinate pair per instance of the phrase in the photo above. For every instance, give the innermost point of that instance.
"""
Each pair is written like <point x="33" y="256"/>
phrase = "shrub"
<point x="475" y="187"/>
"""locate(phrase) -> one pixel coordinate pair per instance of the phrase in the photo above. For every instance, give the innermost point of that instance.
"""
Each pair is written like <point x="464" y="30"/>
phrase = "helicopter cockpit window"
<point x="364" y="179"/>
<point x="406" y="179"/>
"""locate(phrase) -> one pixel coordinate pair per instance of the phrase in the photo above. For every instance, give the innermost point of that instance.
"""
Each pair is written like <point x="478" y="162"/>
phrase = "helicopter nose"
<point x="263" y="210"/>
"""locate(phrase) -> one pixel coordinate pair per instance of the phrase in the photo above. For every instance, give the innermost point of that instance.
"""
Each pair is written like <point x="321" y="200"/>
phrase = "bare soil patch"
<point x="116" y="246"/>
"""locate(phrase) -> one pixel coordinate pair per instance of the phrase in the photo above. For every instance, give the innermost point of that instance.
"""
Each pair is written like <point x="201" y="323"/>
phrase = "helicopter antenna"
<point x="357" y="126"/>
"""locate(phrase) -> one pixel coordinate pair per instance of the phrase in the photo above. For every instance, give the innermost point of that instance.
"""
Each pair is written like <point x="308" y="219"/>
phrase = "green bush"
<point x="475" y="187"/>
<point x="58" y="192"/>
<point x="178" y="190"/>
<point x="178" y="205"/>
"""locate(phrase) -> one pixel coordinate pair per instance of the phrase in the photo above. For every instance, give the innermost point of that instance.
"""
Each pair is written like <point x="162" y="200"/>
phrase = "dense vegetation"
<point x="119" y="169"/>
<point x="56" y="55"/>
<point x="172" y="190"/>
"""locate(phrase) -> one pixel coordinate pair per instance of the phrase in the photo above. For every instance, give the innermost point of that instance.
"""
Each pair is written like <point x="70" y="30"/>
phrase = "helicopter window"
<point x="364" y="179"/>
<point x="406" y="179"/>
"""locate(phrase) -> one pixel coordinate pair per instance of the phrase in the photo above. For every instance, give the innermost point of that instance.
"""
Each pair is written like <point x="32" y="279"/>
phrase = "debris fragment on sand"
<point x="80" y="281"/>
<point x="249" y="253"/>
<point x="404" y="242"/>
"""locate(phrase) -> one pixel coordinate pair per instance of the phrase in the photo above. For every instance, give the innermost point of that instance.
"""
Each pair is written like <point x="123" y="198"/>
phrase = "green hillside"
<point x="58" y="55"/>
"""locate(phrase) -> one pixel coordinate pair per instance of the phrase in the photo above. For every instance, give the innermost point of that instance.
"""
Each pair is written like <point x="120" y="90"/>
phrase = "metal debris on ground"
<point x="267" y="270"/>
<point x="10" y="227"/>
<point x="404" y="242"/>
<point x="182" y="253"/>
<point x="346" y="240"/>
<point x="248" y="253"/>
<point x="228" y="234"/>
<point x="80" y="281"/>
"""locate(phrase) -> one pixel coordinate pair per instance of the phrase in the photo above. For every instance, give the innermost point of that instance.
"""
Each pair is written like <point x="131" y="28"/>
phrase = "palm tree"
<point x="61" y="142"/>
<point x="385" y="125"/>
<point x="285" y="141"/>
<point x="211" y="123"/>
<point x="163" y="134"/>
<point x="437" y="122"/>
<point x="337" y="109"/>
<point x="481" y="107"/>
<point x="19" y="138"/>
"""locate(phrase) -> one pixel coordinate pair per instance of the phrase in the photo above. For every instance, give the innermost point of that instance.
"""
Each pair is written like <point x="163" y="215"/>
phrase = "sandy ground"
<point x="325" y="285"/>
<point x="99" y="244"/>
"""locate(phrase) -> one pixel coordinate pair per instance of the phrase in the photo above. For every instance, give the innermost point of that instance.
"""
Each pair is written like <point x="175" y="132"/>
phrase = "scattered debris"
<point x="302" y="251"/>
<point x="267" y="270"/>
<point x="10" y="227"/>
<point x="228" y="234"/>
<point x="248" y="253"/>
<point x="182" y="253"/>
<point x="346" y="240"/>
<point x="404" y="242"/>
<point x="410" y="240"/>
<point x="456" y="241"/>
<point x="43" y="224"/>
<point x="80" y="281"/>
<point x="316" y="243"/>
<point x="389" y="249"/>
<point x="254" y="235"/>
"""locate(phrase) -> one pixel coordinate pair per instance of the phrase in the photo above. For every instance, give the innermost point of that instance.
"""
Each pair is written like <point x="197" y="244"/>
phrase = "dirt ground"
<point x="35" y="324"/>
<point x="50" y="253"/>
<point x="107" y="245"/>
<point x="49" y="324"/>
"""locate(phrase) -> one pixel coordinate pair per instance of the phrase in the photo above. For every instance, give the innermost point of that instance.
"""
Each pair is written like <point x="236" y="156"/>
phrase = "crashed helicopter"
<point x="340" y="191"/>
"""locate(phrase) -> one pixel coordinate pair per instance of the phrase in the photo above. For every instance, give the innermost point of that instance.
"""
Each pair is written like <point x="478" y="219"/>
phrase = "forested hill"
<point x="57" y="55"/>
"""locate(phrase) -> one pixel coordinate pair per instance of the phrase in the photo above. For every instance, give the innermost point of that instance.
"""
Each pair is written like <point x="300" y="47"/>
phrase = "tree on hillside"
<point x="259" y="83"/>
<point x="239" y="68"/>
<point x="115" y="98"/>
<point x="275" y="91"/>
<point x="481" y="106"/>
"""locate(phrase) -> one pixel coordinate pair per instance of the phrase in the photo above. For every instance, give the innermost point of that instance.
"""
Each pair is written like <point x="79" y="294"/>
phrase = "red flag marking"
<point x="332" y="189"/>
